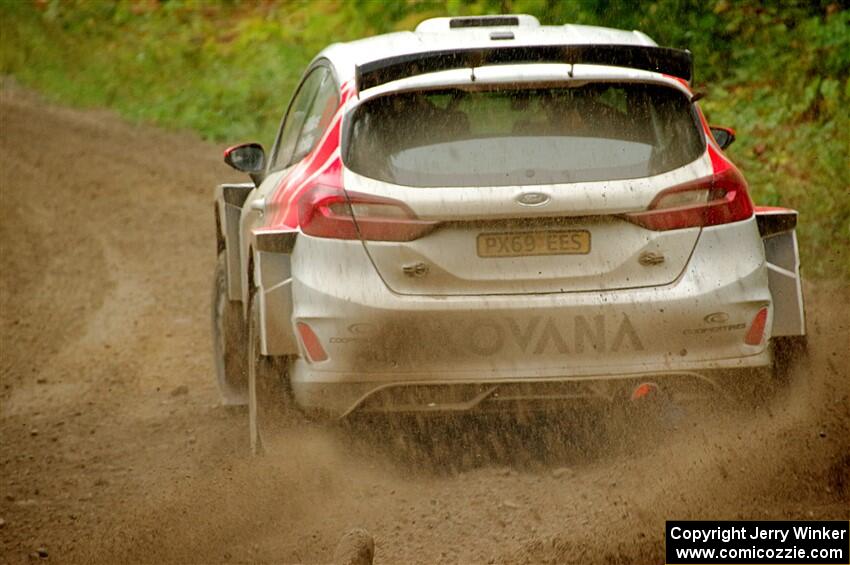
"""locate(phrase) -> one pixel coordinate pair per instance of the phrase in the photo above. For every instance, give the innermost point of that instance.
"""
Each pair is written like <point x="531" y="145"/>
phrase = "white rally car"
<point x="490" y="214"/>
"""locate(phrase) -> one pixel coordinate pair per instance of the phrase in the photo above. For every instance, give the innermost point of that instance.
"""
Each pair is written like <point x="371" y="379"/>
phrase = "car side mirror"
<point x="247" y="158"/>
<point x="723" y="136"/>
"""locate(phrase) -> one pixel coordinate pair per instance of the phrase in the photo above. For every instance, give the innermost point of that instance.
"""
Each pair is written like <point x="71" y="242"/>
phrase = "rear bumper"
<point x="377" y="340"/>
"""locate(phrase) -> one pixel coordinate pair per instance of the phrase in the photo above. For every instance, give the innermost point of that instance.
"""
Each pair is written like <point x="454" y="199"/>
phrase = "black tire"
<point x="790" y="353"/>
<point x="751" y="388"/>
<point x="757" y="387"/>
<point x="229" y="340"/>
<point x="270" y="407"/>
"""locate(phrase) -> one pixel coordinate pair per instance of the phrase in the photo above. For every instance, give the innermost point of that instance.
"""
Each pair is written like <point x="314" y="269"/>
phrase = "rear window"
<point x="456" y="137"/>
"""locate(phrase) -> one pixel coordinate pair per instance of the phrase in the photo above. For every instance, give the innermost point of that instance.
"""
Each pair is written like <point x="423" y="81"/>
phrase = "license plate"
<point x="550" y="242"/>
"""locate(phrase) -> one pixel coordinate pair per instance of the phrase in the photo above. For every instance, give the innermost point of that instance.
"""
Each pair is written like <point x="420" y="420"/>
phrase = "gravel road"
<point x="114" y="447"/>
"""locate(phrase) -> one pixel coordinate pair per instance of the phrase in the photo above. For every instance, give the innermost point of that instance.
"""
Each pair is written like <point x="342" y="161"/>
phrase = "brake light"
<point x="719" y="199"/>
<point x="311" y="342"/>
<point x="325" y="211"/>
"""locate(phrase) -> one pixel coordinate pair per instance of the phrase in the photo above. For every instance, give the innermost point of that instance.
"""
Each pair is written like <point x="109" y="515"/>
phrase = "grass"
<point x="778" y="74"/>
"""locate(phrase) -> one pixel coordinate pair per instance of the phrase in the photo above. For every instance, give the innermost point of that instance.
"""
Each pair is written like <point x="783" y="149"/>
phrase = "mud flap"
<point x="274" y="281"/>
<point x="777" y="229"/>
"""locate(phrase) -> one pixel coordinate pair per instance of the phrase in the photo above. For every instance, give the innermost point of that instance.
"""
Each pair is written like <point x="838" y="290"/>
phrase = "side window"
<point x="309" y="115"/>
<point x="318" y="118"/>
<point x="298" y="109"/>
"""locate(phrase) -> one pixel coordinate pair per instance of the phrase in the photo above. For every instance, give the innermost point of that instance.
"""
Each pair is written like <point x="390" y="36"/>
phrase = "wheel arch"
<point x="229" y="199"/>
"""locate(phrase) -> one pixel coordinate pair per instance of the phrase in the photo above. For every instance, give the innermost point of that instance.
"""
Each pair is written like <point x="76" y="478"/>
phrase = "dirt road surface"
<point x="114" y="448"/>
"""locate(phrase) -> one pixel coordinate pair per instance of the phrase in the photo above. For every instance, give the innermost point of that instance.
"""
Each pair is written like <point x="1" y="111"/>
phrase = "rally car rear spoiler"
<point x="675" y="62"/>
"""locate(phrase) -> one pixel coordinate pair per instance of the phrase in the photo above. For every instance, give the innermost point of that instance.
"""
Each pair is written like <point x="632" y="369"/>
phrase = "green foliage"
<point x="777" y="72"/>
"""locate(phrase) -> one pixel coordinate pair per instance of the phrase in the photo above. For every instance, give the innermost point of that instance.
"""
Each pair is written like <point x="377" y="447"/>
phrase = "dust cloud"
<point x="115" y="448"/>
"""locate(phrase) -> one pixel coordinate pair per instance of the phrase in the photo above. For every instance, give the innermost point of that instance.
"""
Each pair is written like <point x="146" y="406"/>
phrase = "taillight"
<point x="719" y="199"/>
<point x="311" y="343"/>
<point x="755" y="334"/>
<point x="331" y="212"/>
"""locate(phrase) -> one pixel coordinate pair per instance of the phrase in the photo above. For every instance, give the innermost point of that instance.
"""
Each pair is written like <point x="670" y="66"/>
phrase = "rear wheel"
<point x="789" y="354"/>
<point x="229" y="340"/>
<point x="269" y="402"/>
<point x="755" y="387"/>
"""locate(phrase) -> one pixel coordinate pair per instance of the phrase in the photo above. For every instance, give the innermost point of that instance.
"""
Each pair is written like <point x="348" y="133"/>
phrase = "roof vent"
<point x="488" y="21"/>
<point x="442" y="25"/>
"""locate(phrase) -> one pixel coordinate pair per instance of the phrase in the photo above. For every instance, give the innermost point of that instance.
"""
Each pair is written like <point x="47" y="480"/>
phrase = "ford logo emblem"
<point x="532" y="199"/>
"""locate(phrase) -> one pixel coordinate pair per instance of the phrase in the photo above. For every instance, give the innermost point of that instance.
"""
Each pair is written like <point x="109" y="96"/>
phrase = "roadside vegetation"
<point x="778" y="74"/>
